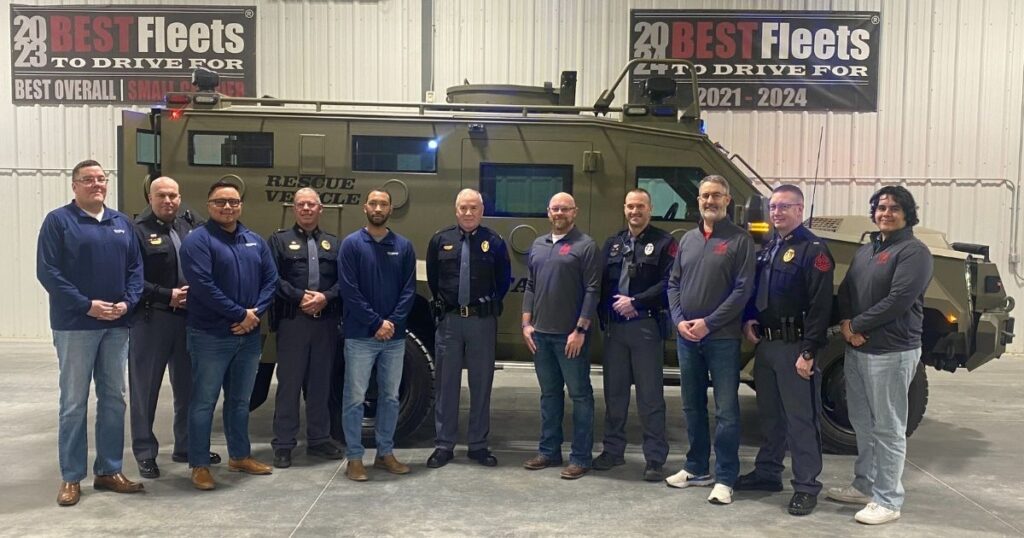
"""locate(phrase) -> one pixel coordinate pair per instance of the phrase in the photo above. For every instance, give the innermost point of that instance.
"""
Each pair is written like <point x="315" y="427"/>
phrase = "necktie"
<point x="627" y="262"/>
<point x="176" y="241"/>
<point x="464" y="272"/>
<point x="766" y="274"/>
<point x="313" y="265"/>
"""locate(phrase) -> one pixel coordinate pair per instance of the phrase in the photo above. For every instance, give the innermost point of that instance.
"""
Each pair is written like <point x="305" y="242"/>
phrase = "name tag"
<point x="393" y="253"/>
<point x="251" y="244"/>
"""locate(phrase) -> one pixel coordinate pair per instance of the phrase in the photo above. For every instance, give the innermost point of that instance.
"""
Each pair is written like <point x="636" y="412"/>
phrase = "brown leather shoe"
<point x="573" y="471"/>
<point x="249" y="465"/>
<point x="355" y="471"/>
<point x="540" y="461"/>
<point x="391" y="464"/>
<point x="69" y="493"/>
<point x="117" y="482"/>
<point x="202" y="479"/>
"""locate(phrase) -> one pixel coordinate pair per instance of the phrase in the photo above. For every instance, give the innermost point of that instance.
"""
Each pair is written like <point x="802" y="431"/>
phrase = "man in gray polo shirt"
<point x="561" y="298"/>
<point x="711" y="280"/>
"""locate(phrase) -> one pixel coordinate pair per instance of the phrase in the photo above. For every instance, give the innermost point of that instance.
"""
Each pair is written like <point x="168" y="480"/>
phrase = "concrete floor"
<point x="964" y="476"/>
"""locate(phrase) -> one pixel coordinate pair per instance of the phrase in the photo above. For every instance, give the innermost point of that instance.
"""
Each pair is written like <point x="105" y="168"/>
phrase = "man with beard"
<point x="562" y="292"/>
<point x="306" y="312"/>
<point x="377" y="271"/>
<point x="636" y="265"/>
<point x="89" y="263"/>
<point x="157" y="340"/>
<point x="708" y="289"/>
<point x="468" y="271"/>
<point x="232" y="278"/>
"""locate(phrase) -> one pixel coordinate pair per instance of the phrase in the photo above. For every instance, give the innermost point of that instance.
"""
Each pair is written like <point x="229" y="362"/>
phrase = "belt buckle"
<point x="463" y="311"/>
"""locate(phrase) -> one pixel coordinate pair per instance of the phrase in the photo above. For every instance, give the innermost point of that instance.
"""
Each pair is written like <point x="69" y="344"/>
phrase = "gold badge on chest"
<point x="485" y="246"/>
<point x="789" y="255"/>
<point x="325" y="244"/>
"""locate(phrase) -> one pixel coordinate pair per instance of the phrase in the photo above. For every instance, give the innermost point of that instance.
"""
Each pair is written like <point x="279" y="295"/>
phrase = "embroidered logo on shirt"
<point x="565" y="249"/>
<point x="395" y="253"/>
<point x="673" y="248"/>
<point x="722" y="248"/>
<point x="118" y="231"/>
<point x="822" y="263"/>
<point x="251" y="244"/>
<point x="882" y="258"/>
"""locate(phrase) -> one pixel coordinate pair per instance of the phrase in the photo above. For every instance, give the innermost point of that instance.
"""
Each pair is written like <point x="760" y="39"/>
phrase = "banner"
<point x="775" y="60"/>
<point x="88" y="54"/>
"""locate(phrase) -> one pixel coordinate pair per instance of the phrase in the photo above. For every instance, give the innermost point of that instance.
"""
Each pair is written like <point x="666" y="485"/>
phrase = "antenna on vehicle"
<point x="814" y="185"/>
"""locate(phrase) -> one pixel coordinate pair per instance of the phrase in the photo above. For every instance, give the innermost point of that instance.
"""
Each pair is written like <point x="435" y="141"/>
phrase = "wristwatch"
<point x="581" y="329"/>
<point x="807" y="355"/>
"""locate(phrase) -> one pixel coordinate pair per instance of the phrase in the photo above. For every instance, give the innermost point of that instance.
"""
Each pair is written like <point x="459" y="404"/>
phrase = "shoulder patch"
<point x="673" y="248"/>
<point x="822" y="262"/>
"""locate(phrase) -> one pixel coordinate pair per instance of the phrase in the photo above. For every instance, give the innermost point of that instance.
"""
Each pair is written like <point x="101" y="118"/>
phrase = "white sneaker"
<point x="721" y="494"/>
<point x="849" y="494"/>
<point x="683" y="479"/>
<point x="876" y="514"/>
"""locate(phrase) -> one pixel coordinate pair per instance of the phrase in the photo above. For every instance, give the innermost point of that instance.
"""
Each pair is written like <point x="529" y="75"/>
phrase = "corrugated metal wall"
<point x="948" y="125"/>
<point x="311" y="49"/>
<point x="949" y="114"/>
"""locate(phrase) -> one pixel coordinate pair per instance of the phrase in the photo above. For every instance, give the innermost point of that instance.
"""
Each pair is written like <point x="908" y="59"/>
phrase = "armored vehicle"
<point x="518" y="145"/>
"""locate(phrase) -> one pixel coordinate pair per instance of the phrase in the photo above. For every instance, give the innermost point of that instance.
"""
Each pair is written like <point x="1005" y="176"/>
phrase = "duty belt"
<point x="465" y="311"/>
<point x="640" y="314"/>
<point x="165" y="308"/>
<point x="772" y="334"/>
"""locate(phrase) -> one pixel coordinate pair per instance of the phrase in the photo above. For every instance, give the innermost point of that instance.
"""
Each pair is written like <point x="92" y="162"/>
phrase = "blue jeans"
<point x="721" y="360"/>
<point x="876" y="396"/>
<point x="221" y="361"/>
<point x="361" y="355"/>
<point x="554" y="371"/>
<point x="83" y="356"/>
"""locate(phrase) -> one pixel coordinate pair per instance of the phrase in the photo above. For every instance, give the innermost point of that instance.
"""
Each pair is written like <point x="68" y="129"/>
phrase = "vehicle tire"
<point x="415" y="393"/>
<point x="837" y="434"/>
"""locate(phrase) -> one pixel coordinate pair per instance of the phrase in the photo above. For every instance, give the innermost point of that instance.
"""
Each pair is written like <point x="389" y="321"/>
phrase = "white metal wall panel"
<point x="948" y="121"/>
<point x="308" y="49"/>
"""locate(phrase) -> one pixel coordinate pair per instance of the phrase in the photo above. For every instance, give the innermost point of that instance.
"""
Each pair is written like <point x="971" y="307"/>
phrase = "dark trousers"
<point x="633" y="354"/>
<point x="157" y="343"/>
<point x="464" y="343"/>
<point x="305" y="357"/>
<point x="787" y="407"/>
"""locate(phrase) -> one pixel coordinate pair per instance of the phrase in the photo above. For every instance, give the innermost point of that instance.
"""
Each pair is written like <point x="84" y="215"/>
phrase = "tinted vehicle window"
<point x="394" y="154"/>
<point x="673" y="191"/>
<point x="147" y="147"/>
<point x="522" y="190"/>
<point x="239" y="150"/>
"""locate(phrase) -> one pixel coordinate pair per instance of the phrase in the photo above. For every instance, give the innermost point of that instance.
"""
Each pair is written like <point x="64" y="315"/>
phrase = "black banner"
<point x="776" y="60"/>
<point x="128" y="54"/>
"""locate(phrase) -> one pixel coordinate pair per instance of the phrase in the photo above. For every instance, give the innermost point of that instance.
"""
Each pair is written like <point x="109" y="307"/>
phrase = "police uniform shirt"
<point x="159" y="255"/>
<point x="290" y="248"/>
<point x="489" y="266"/>
<point x="651" y="255"/>
<point x="799" y="285"/>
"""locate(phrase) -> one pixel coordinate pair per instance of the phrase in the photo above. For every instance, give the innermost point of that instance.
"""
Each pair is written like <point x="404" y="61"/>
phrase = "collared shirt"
<point x="227" y="273"/>
<point x="290" y="249"/>
<point x="713" y="278"/>
<point x="377" y="282"/>
<point x="564" y="282"/>
<point x="883" y="292"/>
<point x="490" y="270"/>
<point x="159" y="258"/>
<point x="800" y="285"/>
<point x="80" y="259"/>
<point x="651" y="255"/>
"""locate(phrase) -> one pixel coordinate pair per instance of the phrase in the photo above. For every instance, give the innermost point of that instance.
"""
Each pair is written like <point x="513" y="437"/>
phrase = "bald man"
<point x="468" y="271"/>
<point x="157" y="339"/>
<point x="562" y="292"/>
<point x="306" y="313"/>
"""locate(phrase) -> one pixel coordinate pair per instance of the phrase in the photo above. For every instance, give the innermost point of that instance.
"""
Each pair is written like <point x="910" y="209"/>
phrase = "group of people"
<point x="195" y="294"/>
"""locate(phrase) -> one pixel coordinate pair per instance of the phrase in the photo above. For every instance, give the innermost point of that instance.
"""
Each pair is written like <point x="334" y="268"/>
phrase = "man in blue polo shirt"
<point x="377" y="276"/>
<point x="91" y="266"/>
<point x="232" y="279"/>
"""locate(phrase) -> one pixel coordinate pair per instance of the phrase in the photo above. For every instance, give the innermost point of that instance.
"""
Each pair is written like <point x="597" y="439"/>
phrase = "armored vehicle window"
<point x="147" y="147"/>
<point x="394" y="154"/>
<point x="240" y="150"/>
<point x="522" y="190"/>
<point x="673" y="191"/>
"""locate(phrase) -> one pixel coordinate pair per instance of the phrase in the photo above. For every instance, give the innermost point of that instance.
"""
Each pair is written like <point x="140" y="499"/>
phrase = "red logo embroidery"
<point x="882" y="258"/>
<point x="822" y="263"/>
<point x="673" y="248"/>
<point x="565" y="249"/>
<point x="722" y="248"/>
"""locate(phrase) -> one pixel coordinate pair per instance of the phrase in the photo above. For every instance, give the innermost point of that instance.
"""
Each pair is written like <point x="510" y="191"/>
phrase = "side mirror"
<point x="756" y="216"/>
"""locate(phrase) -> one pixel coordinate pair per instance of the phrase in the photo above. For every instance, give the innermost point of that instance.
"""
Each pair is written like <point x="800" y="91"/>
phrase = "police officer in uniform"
<point x="787" y="318"/>
<point x="636" y="266"/>
<point x="469" y="273"/>
<point x="306" y="312"/>
<point x="157" y="335"/>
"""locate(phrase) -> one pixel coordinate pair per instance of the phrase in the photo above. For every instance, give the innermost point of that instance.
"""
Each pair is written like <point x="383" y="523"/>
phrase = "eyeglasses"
<point x="220" y="203"/>
<point x="561" y="209"/>
<point x="92" y="180"/>
<point x="716" y="196"/>
<point x="782" y="207"/>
